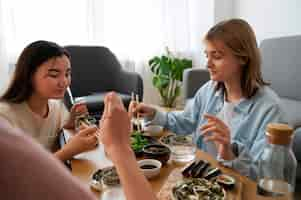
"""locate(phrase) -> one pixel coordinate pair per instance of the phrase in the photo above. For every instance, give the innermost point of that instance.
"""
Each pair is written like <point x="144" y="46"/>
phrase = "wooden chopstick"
<point x="138" y="117"/>
<point x="132" y="122"/>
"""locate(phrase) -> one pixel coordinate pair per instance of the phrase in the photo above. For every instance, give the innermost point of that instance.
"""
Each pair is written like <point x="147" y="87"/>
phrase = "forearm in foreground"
<point x="134" y="183"/>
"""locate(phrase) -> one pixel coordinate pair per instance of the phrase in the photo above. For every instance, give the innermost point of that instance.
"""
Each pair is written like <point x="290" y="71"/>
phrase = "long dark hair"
<point x="240" y="38"/>
<point x="35" y="54"/>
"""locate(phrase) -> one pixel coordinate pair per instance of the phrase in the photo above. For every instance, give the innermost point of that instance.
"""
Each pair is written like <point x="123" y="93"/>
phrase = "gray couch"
<point x="281" y="66"/>
<point x="96" y="71"/>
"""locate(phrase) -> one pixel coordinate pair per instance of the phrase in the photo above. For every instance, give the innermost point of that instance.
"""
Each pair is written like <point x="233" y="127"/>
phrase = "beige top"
<point x="44" y="130"/>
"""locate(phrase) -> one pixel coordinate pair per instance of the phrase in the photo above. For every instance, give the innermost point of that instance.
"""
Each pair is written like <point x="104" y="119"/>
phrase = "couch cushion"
<point x="293" y="111"/>
<point x="281" y="65"/>
<point x="94" y="69"/>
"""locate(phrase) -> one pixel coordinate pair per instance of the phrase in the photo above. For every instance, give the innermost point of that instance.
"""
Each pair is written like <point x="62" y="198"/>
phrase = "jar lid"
<point x="279" y="133"/>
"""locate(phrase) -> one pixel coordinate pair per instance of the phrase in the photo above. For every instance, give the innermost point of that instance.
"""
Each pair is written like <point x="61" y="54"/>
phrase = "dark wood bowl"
<point x="157" y="151"/>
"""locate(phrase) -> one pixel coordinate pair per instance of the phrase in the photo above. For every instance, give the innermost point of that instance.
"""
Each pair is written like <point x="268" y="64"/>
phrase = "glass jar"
<point x="277" y="163"/>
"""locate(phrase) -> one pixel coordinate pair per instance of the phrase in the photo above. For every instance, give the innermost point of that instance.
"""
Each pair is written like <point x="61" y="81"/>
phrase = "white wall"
<point x="270" y="18"/>
<point x="3" y="58"/>
<point x="223" y="9"/>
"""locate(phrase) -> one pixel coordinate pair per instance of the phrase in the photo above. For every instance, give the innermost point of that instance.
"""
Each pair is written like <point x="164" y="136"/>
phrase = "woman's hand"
<point x="142" y="109"/>
<point x="85" y="140"/>
<point x="76" y="110"/>
<point x="220" y="135"/>
<point x="115" y="126"/>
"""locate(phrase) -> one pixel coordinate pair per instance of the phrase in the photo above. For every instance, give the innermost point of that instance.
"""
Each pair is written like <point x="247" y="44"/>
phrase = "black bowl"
<point x="150" y="140"/>
<point x="157" y="151"/>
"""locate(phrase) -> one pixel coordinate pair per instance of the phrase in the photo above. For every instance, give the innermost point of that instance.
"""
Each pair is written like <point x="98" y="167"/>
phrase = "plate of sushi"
<point x="202" y="181"/>
<point x="104" y="177"/>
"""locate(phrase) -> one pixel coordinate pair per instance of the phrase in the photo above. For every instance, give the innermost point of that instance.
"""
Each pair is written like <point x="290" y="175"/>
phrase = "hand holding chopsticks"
<point x="134" y="103"/>
<point x="141" y="110"/>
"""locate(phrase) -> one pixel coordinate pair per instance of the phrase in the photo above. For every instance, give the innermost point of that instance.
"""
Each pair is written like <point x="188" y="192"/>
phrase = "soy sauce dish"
<point x="150" y="167"/>
<point x="226" y="181"/>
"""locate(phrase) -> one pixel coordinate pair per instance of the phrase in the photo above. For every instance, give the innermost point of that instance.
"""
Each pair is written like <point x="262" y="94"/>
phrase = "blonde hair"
<point x="239" y="37"/>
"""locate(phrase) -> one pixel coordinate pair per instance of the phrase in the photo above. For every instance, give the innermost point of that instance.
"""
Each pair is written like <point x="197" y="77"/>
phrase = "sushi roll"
<point x="200" y="171"/>
<point x="186" y="171"/>
<point x="211" y="173"/>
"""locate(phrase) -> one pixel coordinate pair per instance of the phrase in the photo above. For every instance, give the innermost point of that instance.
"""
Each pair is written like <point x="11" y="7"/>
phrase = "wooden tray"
<point x="176" y="175"/>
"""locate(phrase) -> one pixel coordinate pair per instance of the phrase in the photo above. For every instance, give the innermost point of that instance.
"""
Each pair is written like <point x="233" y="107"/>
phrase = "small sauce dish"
<point x="226" y="181"/>
<point x="150" y="167"/>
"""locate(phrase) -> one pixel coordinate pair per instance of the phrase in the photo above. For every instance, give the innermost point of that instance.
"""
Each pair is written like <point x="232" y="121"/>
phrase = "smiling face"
<point x="52" y="78"/>
<point x="234" y="57"/>
<point x="222" y="64"/>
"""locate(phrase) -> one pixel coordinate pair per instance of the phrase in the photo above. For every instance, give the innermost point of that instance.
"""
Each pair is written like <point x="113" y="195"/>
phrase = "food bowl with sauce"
<point x="150" y="167"/>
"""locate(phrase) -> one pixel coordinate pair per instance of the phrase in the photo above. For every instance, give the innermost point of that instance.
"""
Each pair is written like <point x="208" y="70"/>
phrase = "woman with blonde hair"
<point x="228" y="114"/>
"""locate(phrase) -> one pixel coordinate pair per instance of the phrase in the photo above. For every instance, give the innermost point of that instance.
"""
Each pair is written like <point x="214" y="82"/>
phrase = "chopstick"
<point x="132" y="99"/>
<point x="70" y="95"/>
<point x="133" y="96"/>
<point x="138" y="117"/>
<point x="136" y="120"/>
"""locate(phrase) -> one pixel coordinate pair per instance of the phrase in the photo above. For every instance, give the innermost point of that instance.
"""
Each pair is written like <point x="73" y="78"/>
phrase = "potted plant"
<point x="168" y="74"/>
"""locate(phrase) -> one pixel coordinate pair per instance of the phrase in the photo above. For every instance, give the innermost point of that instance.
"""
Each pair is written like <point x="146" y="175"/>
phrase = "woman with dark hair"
<point x="229" y="114"/>
<point x="32" y="100"/>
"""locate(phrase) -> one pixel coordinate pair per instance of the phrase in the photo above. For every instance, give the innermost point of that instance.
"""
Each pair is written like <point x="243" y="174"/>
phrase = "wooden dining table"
<point x="85" y="164"/>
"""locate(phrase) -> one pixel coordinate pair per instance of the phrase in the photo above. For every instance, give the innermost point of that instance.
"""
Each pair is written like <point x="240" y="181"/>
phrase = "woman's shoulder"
<point x="267" y="97"/>
<point x="6" y="107"/>
<point x="10" y="111"/>
<point x="208" y="87"/>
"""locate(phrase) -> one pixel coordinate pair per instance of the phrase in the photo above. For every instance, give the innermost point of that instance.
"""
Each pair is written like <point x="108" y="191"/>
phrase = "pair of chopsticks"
<point x="135" y="98"/>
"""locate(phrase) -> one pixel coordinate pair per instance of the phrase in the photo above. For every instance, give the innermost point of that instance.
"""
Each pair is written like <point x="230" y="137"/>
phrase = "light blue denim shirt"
<point x="247" y="127"/>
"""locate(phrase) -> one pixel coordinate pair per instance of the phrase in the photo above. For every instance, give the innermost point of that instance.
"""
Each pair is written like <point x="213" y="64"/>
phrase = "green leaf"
<point x="154" y="61"/>
<point x="154" y="64"/>
<point x="156" y="81"/>
<point x="160" y="81"/>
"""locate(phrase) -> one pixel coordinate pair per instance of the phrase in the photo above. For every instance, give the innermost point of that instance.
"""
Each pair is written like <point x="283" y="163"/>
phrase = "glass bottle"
<point x="277" y="163"/>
